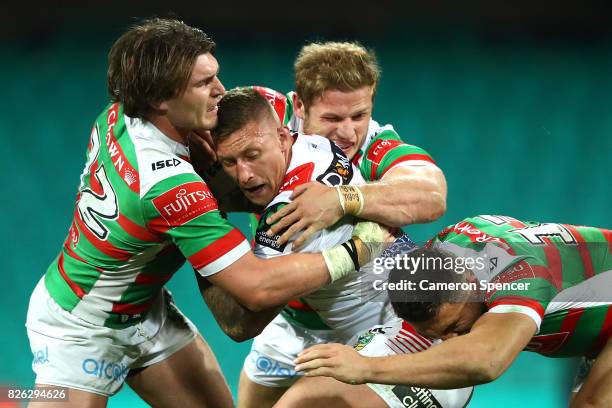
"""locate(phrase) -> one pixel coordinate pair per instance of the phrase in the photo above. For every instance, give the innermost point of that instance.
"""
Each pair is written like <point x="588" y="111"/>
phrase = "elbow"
<point x="437" y="207"/>
<point x="239" y="335"/>
<point x="486" y="368"/>
<point x="436" y="198"/>
<point x="259" y="300"/>
<point x="259" y="296"/>
<point x="428" y="210"/>
<point x="486" y="373"/>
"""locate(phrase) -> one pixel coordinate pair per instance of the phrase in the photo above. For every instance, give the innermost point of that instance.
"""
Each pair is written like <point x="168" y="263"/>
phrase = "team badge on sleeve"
<point x="364" y="340"/>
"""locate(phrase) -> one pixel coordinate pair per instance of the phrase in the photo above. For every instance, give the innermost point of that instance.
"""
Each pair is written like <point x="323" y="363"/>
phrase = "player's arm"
<point x="407" y="188"/>
<point x="182" y="208"/>
<point x="478" y="357"/>
<point x="405" y="195"/>
<point x="597" y="388"/>
<point x="260" y="284"/>
<point x="238" y="322"/>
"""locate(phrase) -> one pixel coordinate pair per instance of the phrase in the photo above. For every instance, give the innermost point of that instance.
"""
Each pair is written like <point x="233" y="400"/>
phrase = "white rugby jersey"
<point x="340" y="305"/>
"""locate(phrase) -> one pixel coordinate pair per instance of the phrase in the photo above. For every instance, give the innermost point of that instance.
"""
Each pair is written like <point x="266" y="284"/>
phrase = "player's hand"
<point x="315" y="206"/>
<point x="202" y="150"/>
<point x="333" y="360"/>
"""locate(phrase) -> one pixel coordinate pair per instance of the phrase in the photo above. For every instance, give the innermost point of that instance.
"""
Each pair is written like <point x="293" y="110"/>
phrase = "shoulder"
<point x="377" y="131"/>
<point x="330" y="165"/>
<point x="162" y="162"/>
<point x="394" y="337"/>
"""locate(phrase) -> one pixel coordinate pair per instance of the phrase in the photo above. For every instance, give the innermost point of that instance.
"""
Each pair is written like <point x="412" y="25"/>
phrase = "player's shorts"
<point x="398" y="337"/>
<point x="270" y="362"/>
<point x="71" y="352"/>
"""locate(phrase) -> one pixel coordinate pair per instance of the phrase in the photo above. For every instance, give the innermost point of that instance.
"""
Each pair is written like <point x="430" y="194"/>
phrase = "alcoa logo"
<point x="273" y="368"/>
<point x="41" y="356"/>
<point x="103" y="369"/>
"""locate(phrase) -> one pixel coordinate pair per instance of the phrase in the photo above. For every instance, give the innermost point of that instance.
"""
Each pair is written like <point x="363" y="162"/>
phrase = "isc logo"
<point x="165" y="163"/>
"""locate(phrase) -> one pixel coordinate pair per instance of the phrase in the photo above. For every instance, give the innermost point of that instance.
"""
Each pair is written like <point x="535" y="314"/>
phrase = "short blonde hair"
<point x="237" y="108"/>
<point x="343" y="66"/>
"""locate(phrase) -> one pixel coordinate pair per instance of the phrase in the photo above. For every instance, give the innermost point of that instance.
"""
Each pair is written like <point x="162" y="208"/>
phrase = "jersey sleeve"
<point x="183" y="208"/>
<point x="530" y="296"/>
<point x="387" y="151"/>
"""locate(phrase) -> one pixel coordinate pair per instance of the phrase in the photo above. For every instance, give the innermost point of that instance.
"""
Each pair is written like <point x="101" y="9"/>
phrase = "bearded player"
<point x="527" y="286"/>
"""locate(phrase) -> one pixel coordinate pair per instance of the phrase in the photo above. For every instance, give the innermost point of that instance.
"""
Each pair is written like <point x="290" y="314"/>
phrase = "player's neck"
<point x="162" y="123"/>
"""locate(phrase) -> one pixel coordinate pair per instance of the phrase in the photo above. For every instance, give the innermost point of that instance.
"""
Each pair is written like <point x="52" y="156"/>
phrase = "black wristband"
<point x="351" y="248"/>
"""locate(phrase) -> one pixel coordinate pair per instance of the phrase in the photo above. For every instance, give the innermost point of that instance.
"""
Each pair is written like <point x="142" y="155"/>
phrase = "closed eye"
<point x="228" y="162"/>
<point x="332" y="118"/>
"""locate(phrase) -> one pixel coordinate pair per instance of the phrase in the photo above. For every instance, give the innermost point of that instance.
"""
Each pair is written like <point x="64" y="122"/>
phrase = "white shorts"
<point x="270" y="362"/>
<point x="71" y="352"/>
<point x="398" y="337"/>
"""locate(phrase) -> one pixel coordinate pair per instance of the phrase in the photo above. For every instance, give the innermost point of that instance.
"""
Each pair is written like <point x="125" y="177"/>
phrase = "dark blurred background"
<point x="510" y="98"/>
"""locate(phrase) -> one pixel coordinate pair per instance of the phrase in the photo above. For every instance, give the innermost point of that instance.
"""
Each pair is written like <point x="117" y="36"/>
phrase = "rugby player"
<point x="268" y="162"/>
<point x="530" y="286"/>
<point x="100" y="314"/>
<point x="335" y="86"/>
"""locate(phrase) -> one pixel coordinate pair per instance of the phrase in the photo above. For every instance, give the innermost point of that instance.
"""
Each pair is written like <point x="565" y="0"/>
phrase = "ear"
<point x="161" y="106"/>
<point x="284" y="136"/>
<point x="471" y="278"/>
<point x="298" y="106"/>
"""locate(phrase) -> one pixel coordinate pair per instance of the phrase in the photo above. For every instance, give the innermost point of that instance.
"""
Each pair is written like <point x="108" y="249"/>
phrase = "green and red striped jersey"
<point x="565" y="272"/>
<point x="382" y="148"/>
<point x="141" y="211"/>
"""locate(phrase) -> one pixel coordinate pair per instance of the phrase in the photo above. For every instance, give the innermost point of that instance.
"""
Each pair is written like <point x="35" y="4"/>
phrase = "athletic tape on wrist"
<point x="351" y="199"/>
<point x="361" y="201"/>
<point x="351" y="248"/>
<point x="341" y="198"/>
<point x="339" y="261"/>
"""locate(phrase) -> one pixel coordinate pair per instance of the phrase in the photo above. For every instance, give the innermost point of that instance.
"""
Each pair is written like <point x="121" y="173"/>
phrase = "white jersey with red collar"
<point x="342" y="304"/>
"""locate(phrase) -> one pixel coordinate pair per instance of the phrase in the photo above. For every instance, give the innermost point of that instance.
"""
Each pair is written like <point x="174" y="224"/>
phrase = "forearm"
<point x="401" y="199"/>
<point x="261" y="284"/>
<point x="238" y="322"/>
<point x="288" y="277"/>
<point x="453" y="364"/>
